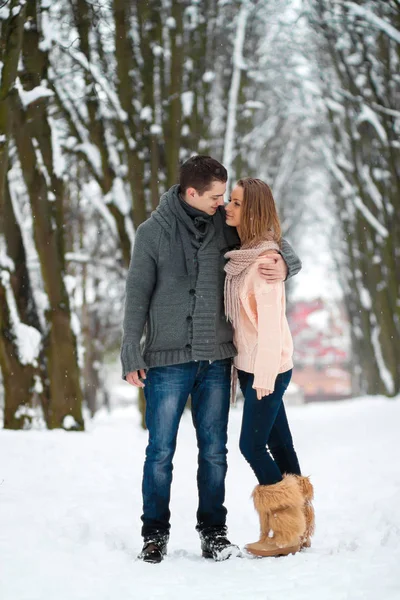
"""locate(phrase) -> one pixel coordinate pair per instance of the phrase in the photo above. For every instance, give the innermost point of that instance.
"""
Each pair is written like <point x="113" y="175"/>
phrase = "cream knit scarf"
<point x="236" y="270"/>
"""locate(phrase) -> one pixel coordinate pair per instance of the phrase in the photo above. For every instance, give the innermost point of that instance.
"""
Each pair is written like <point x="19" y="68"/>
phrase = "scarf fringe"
<point x="234" y="382"/>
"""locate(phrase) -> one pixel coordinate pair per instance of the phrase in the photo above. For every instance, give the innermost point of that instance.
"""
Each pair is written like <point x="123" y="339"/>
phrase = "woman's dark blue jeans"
<point x="265" y="424"/>
<point x="167" y="390"/>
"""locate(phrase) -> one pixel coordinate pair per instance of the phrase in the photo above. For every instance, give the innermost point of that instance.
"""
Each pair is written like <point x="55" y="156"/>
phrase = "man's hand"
<point x="261" y="393"/>
<point x="133" y="378"/>
<point x="273" y="268"/>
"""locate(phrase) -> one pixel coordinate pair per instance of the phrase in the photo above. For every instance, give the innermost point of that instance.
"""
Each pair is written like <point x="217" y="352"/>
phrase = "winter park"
<point x="199" y="299"/>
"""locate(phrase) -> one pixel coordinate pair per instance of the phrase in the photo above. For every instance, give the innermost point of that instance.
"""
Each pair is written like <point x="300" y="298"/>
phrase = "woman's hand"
<point x="261" y="393"/>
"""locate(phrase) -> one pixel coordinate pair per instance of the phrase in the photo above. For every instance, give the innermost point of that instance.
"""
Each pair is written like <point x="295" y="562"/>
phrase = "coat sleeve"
<point x="141" y="280"/>
<point x="291" y="259"/>
<point x="269" y="344"/>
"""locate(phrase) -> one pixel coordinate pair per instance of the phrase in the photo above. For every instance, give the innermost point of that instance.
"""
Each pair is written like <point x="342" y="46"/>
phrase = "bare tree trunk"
<point x="15" y="292"/>
<point x="173" y="114"/>
<point x="46" y="194"/>
<point x="18" y="379"/>
<point x="60" y="344"/>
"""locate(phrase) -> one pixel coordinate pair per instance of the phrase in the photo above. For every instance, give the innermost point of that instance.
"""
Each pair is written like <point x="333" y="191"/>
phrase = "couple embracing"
<point x="206" y="286"/>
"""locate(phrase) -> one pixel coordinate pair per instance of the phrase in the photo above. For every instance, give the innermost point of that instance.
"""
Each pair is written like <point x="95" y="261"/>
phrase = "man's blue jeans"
<point x="264" y="423"/>
<point x="166" y="391"/>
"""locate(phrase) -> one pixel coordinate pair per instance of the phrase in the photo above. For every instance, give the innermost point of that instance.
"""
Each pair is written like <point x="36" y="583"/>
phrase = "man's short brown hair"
<point x="199" y="172"/>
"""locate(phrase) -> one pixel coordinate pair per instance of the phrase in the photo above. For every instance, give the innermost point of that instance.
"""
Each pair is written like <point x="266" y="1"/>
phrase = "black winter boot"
<point x="215" y="544"/>
<point x="154" y="550"/>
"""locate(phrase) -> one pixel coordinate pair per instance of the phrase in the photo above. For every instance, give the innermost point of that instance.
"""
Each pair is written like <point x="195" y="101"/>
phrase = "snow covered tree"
<point x="108" y="98"/>
<point x="32" y="132"/>
<point x="271" y="118"/>
<point x="358" y="52"/>
<point x="19" y="335"/>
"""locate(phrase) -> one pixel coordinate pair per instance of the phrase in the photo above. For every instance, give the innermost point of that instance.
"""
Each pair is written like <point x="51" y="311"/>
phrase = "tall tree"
<point x="19" y="326"/>
<point x="33" y="137"/>
<point x="358" y="46"/>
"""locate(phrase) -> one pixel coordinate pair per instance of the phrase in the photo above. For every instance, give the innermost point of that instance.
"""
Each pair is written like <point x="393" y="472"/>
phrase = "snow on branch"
<point x="368" y="115"/>
<point x="38" y="93"/>
<point x="84" y="258"/>
<point x="92" y="156"/>
<point x="370" y="185"/>
<point x="349" y="192"/>
<point x="348" y="189"/>
<point x="97" y="200"/>
<point x="80" y="141"/>
<point x="4" y="10"/>
<point x="385" y="110"/>
<point x="27" y="338"/>
<point x="5" y="261"/>
<point x="373" y="19"/>
<point x="373" y="221"/>
<point x="345" y="94"/>
<point x="98" y="78"/>
<point x="384" y="372"/>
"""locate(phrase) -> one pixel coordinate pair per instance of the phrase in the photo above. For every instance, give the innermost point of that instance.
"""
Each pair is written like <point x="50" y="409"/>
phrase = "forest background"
<point x="100" y="100"/>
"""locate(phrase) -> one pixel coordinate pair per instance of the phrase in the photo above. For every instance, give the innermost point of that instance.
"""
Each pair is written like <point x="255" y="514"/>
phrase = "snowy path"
<point x="70" y="507"/>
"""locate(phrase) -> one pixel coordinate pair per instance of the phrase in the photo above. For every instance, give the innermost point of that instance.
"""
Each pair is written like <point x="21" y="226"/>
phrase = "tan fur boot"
<point x="282" y="522"/>
<point x="309" y="514"/>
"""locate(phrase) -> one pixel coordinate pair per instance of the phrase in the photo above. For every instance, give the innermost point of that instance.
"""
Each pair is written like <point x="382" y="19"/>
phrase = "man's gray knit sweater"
<point x="175" y="286"/>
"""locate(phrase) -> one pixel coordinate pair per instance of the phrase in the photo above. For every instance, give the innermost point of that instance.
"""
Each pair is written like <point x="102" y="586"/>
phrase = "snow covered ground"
<point x="70" y="505"/>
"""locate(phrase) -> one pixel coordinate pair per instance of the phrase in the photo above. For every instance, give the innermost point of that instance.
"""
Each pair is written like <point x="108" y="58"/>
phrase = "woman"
<point x="264" y="367"/>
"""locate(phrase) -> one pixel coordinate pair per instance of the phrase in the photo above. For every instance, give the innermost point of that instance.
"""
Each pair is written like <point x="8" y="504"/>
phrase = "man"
<point x="174" y="293"/>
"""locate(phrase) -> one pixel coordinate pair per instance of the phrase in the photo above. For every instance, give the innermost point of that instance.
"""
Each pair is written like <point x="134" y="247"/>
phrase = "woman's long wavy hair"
<point x="259" y="219"/>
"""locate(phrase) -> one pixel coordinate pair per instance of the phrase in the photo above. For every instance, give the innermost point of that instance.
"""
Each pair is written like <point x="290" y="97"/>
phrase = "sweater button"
<point x="192" y="292"/>
<point x="189" y="319"/>
<point x="188" y="346"/>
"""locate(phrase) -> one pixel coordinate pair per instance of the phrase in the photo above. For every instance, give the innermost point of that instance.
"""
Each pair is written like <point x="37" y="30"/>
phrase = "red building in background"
<point x="322" y="349"/>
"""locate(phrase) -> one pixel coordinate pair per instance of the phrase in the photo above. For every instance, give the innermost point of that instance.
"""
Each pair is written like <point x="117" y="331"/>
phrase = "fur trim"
<point x="265" y="524"/>
<point x="309" y="515"/>
<point x="284" y="494"/>
<point x="286" y="526"/>
<point x="306" y="487"/>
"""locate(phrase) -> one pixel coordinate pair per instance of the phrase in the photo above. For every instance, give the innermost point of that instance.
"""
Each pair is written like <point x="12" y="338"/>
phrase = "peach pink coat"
<point x="262" y="336"/>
